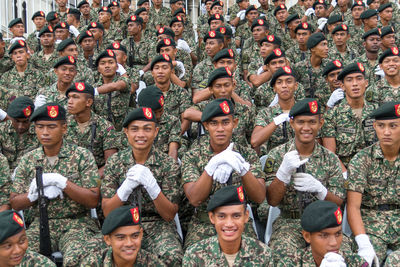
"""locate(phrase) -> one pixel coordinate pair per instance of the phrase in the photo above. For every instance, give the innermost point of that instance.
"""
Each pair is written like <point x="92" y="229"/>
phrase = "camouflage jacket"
<point x="382" y="92"/>
<point x="33" y="41"/>
<point x="83" y="74"/>
<point x="160" y="17"/>
<point x="32" y="258"/>
<point x="41" y="63"/>
<point x="113" y="34"/>
<point x="177" y="100"/>
<point x="139" y="54"/>
<point x="348" y="57"/>
<point x="201" y="73"/>
<point x="53" y="95"/>
<point x="295" y="55"/>
<point x="250" y="51"/>
<point x="5" y="181"/>
<point x="243" y="32"/>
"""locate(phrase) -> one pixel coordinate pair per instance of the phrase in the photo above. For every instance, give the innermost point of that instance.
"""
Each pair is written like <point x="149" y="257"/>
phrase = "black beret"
<point x="16" y="45"/>
<point x="73" y="11"/>
<point x="334" y="18"/>
<point x="176" y="19"/>
<point x="67" y="60"/>
<point x="107" y="53"/>
<point x="213" y="35"/>
<point x="217" y="74"/>
<point x="384" y="6"/>
<point x="368" y="13"/>
<point x="259" y="22"/>
<point x="276" y="53"/>
<point x="370" y="33"/>
<point x="85" y="34"/>
<point x="10" y="224"/>
<point x="319" y="2"/>
<point x="46" y="29"/>
<point x="226" y="31"/>
<point x="96" y="25"/>
<point x="165" y="43"/>
<point x="250" y="8"/>
<point x="121" y="216"/>
<point x="61" y="25"/>
<point x="217" y="3"/>
<point x="305" y="107"/>
<point x="139" y="114"/>
<point x="38" y="14"/>
<point x="52" y="15"/>
<point x="160" y="58"/>
<point x="174" y="1"/>
<point x="215" y="17"/>
<point x="315" y="39"/>
<point x="320" y="215"/>
<point x="303" y="26"/>
<point x="151" y="97"/>
<point x="279" y="8"/>
<point x="390" y="52"/>
<point x="272" y="39"/>
<point x="64" y="44"/>
<point x="15" y="22"/>
<point x="105" y="9"/>
<point x="81" y="3"/>
<point x="224" y="53"/>
<point x="179" y="11"/>
<point x="357" y="3"/>
<point x="117" y="46"/>
<point x="227" y="196"/>
<point x="80" y="87"/>
<point x="167" y="31"/>
<point x="387" y="111"/>
<point x="369" y="2"/>
<point x="291" y="18"/>
<point x="140" y="10"/>
<point x="49" y="112"/>
<point x="331" y="66"/>
<point x="355" y="67"/>
<point x="1" y="36"/>
<point x="217" y="108"/>
<point x="21" y="107"/>
<point x="341" y="27"/>
<point x="284" y="71"/>
<point x="113" y="3"/>
<point x="135" y="18"/>
<point x="386" y="30"/>
<point x="141" y="2"/>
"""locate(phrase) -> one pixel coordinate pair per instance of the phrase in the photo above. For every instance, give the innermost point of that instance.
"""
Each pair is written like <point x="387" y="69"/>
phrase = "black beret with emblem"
<point x="217" y="108"/>
<point x="386" y="30"/>
<point x="320" y="2"/>
<point x="80" y="87"/>
<point x="61" y="25"/>
<point x="121" y="216"/>
<point x="213" y="35"/>
<point x="355" y="67"/>
<point x="250" y="8"/>
<point x="67" y="60"/>
<point x="291" y="18"/>
<point x="151" y="97"/>
<point x="217" y="3"/>
<point x="227" y="196"/>
<point x="81" y="3"/>
<point x="390" y="52"/>
<point x="303" y="26"/>
<point x="370" y="33"/>
<point x="279" y="8"/>
<point x="135" y="18"/>
<point x="179" y="11"/>
<point x="332" y="66"/>
<point x="38" y="14"/>
<point x="16" y="45"/>
<point x="224" y="53"/>
<point x="217" y="74"/>
<point x="95" y="25"/>
<point x="73" y="11"/>
<point x="15" y="22"/>
<point x="387" y="111"/>
<point x="357" y="3"/>
<point x="165" y="43"/>
<point x="305" y="107"/>
<point x="226" y="31"/>
<point x="117" y="46"/>
<point x="46" y="29"/>
<point x="113" y="3"/>
<point x="321" y="214"/>
<point x="173" y="1"/>
<point x="276" y="53"/>
<point x="334" y="19"/>
<point x="52" y="15"/>
<point x="11" y="224"/>
<point x="259" y="22"/>
<point x="272" y="39"/>
<point x="160" y="58"/>
<point x="64" y="44"/>
<point x="140" y="10"/>
<point x="315" y="39"/>
<point x="85" y="34"/>
<point x="175" y="20"/>
<point x="284" y="71"/>
<point x="215" y="17"/>
<point x="105" y="9"/>
<point x="368" y="14"/>
<point x="166" y="31"/>
<point x="141" y="2"/>
<point x="21" y="107"/>
<point x="339" y="28"/>
<point x="106" y="54"/>
<point x="384" y="6"/>
<point x="139" y="114"/>
<point x="49" y="112"/>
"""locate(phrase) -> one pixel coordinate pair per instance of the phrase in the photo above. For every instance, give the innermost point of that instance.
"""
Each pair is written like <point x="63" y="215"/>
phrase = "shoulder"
<point x="32" y="258"/>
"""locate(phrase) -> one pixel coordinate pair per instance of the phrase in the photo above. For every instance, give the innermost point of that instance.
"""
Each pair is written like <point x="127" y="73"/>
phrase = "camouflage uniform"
<point x="32" y="258"/>
<point x="250" y="51"/>
<point x="377" y="179"/>
<point x="297" y="9"/>
<point x="207" y="252"/>
<point x="177" y="100"/>
<point x="193" y="164"/>
<point x="356" y="33"/>
<point x="83" y="74"/>
<point x="139" y="54"/>
<point x="39" y="61"/>
<point x="369" y="70"/>
<point x="161" y="16"/>
<point x="5" y="181"/>
<point x="113" y="34"/>
<point x="346" y="15"/>
<point x="393" y="259"/>
<point x="62" y="15"/>
<point x="201" y="73"/>
<point x="243" y="32"/>
<point x="348" y="57"/>
<point x="85" y="22"/>
<point x="53" y="95"/>
<point x="264" y="95"/>
<point x="254" y="65"/>
<point x="69" y="222"/>
<point x="124" y="16"/>
<point x="160" y="236"/>
<point x="295" y="55"/>
<point x="33" y="41"/>
<point x="287" y="41"/>
<point x="382" y="92"/>
<point x="5" y="64"/>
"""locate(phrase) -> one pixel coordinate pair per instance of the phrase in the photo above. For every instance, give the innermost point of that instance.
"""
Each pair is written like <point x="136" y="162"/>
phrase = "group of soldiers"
<point x="149" y="146"/>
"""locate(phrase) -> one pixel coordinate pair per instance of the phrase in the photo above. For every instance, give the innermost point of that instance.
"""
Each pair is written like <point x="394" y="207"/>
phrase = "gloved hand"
<point x="58" y="41"/>
<point x="309" y="12"/>
<point x="55" y="179"/>
<point x="222" y="173"/>
<point x="3" y="114"/>
<point x="126" y="189"/>
<point x="305" y="182"/>
<point x="121" y="70"/>
<point x="281" y="118"/>
<point x="241" y="14"/>
<point x="181" y="68"/>
<point x="336" y="95"/>
<point x="365" y="248"/>
<point x="13" y="40"/>
<point x="227" y="156"/>
<point x="260" y="70"/>
<point x="74" y="30"/>
<point x="141" y="72"/>
<point x="275" y="101"/>
<point x="50" y="192"/>
<point x="345" y="175"/>
<point x="40" y="100"/>
<point x="321" y="23"/>
<point x="183" y="45"/>
<point x="334" y="3"/>
<point x="332" y="259"/>
<point x="291" y="161"/>
<point x="145" y="177"/>
<point x="379" y="71"/>
<point x="96" y="92"/>
<point x="244" y="166"/>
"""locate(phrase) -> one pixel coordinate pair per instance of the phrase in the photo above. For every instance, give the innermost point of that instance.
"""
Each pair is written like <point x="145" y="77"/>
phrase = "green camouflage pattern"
<point x="35" y="259"/>
<point x="5" y="181"/>
<point x="41" y="63"/>
<point x="382" y="92"/>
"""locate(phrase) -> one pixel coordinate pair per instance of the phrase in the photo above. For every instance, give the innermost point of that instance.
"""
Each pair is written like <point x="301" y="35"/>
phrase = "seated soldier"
<point x="14" y="243"/>
<point x="299" y="51"/>
<point x="87" y="45"/>
<point x="331" y="72"/>
<point x="388" y="38"/>
<point x="342" y="49"/>
<point x="392" y="259"/>
<point x="98" y="31"/>
<point x="61" y="32"/>
<point x="17" y="29"/>
<point x="227" y="211"/>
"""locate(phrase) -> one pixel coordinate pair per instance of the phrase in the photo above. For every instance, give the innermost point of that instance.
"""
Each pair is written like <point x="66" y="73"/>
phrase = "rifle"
<point x="45" y="243"/>
<point x="284" y="131"/>
<point x="131" y="54"/>
<point x="304" y="198"/>
<point x="93" y="137"/>
<point x="109" y="110"/>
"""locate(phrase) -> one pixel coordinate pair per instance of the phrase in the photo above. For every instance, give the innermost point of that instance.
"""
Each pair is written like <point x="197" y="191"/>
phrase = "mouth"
<point x="229" y="232"/>
<point x="140" y="142"/>
<point x="16" y="258"/>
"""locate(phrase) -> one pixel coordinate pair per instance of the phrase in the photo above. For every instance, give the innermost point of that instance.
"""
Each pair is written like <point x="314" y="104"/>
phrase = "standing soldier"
<point x="45" y="58"/>
<point x="17" y="29"/>
<point x="62" y="9"/>
<point x="87" y="16"/>
<point x="159" y="15"/>
<point x="87" y="44"/>
<point x="33" y="40"/>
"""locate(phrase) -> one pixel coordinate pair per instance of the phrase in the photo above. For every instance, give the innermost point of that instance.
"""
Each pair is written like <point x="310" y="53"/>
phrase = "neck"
<point x="62" y="86"/>
<point x="216" y="148"/>
<point x="303" y="47"/>
<point x="230" y="247"/>
<point x="286" y="104"/>
<point x="107" y="25"/>
<point x="141" y="156"/>
<point x="117" y="17"/>
<point x="51" y="151"/>
<point x="21" y="68"/>
<point x="137" y="37"/>
<point x="48" y="50"/>
<point x="384" y="22"/>
<point x="317" y="259"/>
<point x="371" y="55"/>
<point x="62" y="9"/>
<point x="118" y="262"/>
<point x="157" y="6"/>
<point x="383" y="48"/>
<point x="86" y="16"/>
<point x="292" y="34"/>
<point x="366" y="28"/>
<point x="393" y="80"/>
<point x="125" y="10"/>
<point x="390" y="152"/>
<point x="164" y="87"/>
<point x="95" y="5"/>
<point x="304" y="149"/>
<point x="88" y="53"/>
<point x="355" y="102"/>
<point x="108" y="79"/>
<point x="265" y="7"/>
<point x="343" y="8"/>
<point x="315" y="61"/>
<point x="341" y="48"/>
<point x="83" y="116"/>
<point x="357" y="22"/>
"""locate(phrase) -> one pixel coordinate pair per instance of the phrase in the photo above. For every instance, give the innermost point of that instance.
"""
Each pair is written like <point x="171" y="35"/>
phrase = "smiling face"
<point x="141" y="134"/>
<point x="306" y="128"/>
<point x="12" y="250"/>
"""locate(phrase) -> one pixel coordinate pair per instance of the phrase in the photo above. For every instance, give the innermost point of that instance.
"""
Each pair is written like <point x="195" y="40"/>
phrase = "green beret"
<point x="67" y="60"/>
<point x="224" y="53"/>
<point x="10" y="224"/>
<point x="46" y="29"/>
<point x="206" y="1"/>
<point x="227" y="196"/>
<point x="16" y="45"/>
<point x="217" y="108"/>
<point x="117" y="46"/>
<point x="121" y="216"/>
<point x="319" y="2"/>
<point x="217" y="3"/>
<point x="217" y="74"/>
<point x="135" y="18"/>
<point x="160" y="58"/>
<point x="215" y="17"/>
<point x="386" y="30"/>
<point x="151" y="97"/>
<point x="357" y="3"/>
<point x="61" y="25"/>
<point x="369" y="2"/>
<point x="174" y="1"/>
<point x="320" y="215"/>
<point x="226" y="31"/>
<point x="105" y="9"/>
<point x="387" y="111"/>
<point x="355" y="67"/>
<point x="96" y="25"/>
<point x="272" y="39"/>
<point x="368" y="13"/>
<point x="315" y="39"/>
<point x="334" y="18"/>
<point x="80" y="87"/>
<point x="340" y="28"/>
<point x="390" y="52"/>
<point x="279" y="8"/>
<point x="81" y="3"/>
<point x="107" y="53"/>
<point x="176" y="19"/>
<point x="139" y="114"/>
<point x="276" y="53"/>
<point x="331" y="66"/>
<point x="64" y="44"/>
<point x="49" y="112"/>
<point x="1" y="36"/>
<point x="38" y="14"/>
<point x="52" y="15"/>
<point x="291" y="18"/>
<point x="179" y="11"/>
<point x="167" y="31"/>
<point x="15" y="22"/>
<point x="238" y="1"/>
<point x="303" y="26"/>
<point x="22" y="107"/>
<point x="73" y="11"/>
<point x="305" y="107"/>
<point x="113" y="3"/>
<point x="285" y="71"/>
<point x="384" y="6"/>
<point x="141" y="2"/>
<point x="165" y="43"/>
<point x="213" y="35"/>
<point x="259" y="22"/>
<point x="370" y="33"/>
<point x="250" y="8"/>
<point x="83" y="35"/>
<point x="140" y="10"/>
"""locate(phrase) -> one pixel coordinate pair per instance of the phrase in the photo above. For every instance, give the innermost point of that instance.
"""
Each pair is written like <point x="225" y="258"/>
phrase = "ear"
<point x="235" y="122"/>
<point x="89" y="102"/>
<point x="306" y="236"/>
<point x="107" y="239"/>
<point x="211" y="217"/>
<point x="247" y="215"/>
<point x="205" y="124"/>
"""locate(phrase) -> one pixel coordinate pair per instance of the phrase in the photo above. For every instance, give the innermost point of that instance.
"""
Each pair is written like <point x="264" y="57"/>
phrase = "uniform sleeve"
<point x="271" y="166"/>
<point x="171" y="187"/>
<point x="174" y="134"/>
<point x="5" y="181"/>
<point x="190" y="258"/>
<point x="186" y="101"/>
<point x="109" y="137"/>
<point x="336" y="180"/>
<point x="112" y="176"/>
<point x="357" y="173"/>
<point x="127" y="84"/>
<point x="261" y="118"/>
<point x="255" y="165"/>
<point x="88" y="170"/>
<point x="190" y="171"/>
<point x="23" y="176"/>
<point x="328" y="130"/>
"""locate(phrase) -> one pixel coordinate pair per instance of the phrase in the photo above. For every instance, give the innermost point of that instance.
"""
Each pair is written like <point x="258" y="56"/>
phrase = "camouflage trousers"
<point x="67" y="236"/>
<point x="393" y="260"/>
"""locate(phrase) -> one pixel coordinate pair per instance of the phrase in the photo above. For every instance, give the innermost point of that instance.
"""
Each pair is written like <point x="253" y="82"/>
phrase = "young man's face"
<point x="178" y="28"/>
<point x="386" y="14"/>
<point x="169" y="50"/>
<point x="21" y="125"/>
<point x="61" y="34"/>
<point x="39" y="22"/>
<point x="162" y="72"/>
<point x="18" y="30"/>
<point x="293" y="24"/>
<point x="277" y="63"/>
<point x="285" y="86"/>
<point x="354" y="85"/>
<point x="20" y="56"/>
<point x="388" y="132"/>
<point x="145" y="16"/>
<point x="78" y="102"/>
<point x="97" y="33"/>
<point x="134" y="28"/>
<point x="320" y="11"/>
<point x="252" y="15"/>
<point x="50" y="133"/>
<point x="217" y="10"/>
<point x="222" y="88"/>
<point x="306" y="128"/>
<point x="66" y="73"/>
<point x="121" y="56"/>
<point x="107" y="67"/>
<point x="308" y="4"/>
<point x="389" y="40"/>
<point x="71" y="50"/>
<point x="244" y="4"/>
<point x="104" y="17"/>
<point x="47" y="39"/>
<point x="61" y="3"/>
<point x="124" y="4"/>
<point x="259" y="32"/>
<point x="176" y="6"/>
<point x="340" y="38"/>
<point x="146" y="5"/>
<point x="71" y="19"/>
<point x="213" y="46"/>
<point x="13" y="249"/>
<point x="372" y="43"/>
<point x="141" y="134"/>
<point x="374" y="5"/>
<point x="85" y="9"/>
<point x="115" y="11"/>
<point x="302" y="36"/>
<point x="356" y="12"/>
<point x="282" y="15"/>
<point x="371" y="22"/>
<point x="88" y="44"/>
<point x="332" y="80"/>
<point x="321" y="49"/>
<point x="342" y="3"/>
<point x="391" y="66"/>
<point x="215" y="24"/>
<point x="226" y="63"/>
<point x="266" y="48"/>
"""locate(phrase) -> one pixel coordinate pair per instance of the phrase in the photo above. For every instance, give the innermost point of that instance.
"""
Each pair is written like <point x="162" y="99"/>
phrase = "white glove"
<point x="222" y="173"/>
<point x="291" y="161"/>
<point x="244" y="166"/>
<point x="126" y="188"/>
<point x="183" y="45"/>
<point x="3" y="114"/>
<point x="141" y="72"/>
<point x="309" y="12"/>
<point x="365" y="248"/>
<point x="40" y="100"/>
<point x="227" y="156"/>
<point x="281" y="118"/>
<point x="181" y="68"/>
<point x="121" y="70"/>
<point x="58" y="42"/>
<point x="321" y="23"/>
<point x="241" y="14"/>
<point x="332" y="259"/>
<point x="74" y="30"/>
<point x="260" y="70"/>
<point x="379" y="71"/>
<point x="145" y="177"/>
<point x="345" y="175"/>
<point x="334" y="3"/>
<point x="50" y="192"/>
<point x="55" y="179"/>
<point x="13" y="40"/>
<point x="274" y="101"/>
<point x="336" y="95"/>
<point x="96" y="92"/>
<point x="305" y="182"/>
<point x="37" y="34"/>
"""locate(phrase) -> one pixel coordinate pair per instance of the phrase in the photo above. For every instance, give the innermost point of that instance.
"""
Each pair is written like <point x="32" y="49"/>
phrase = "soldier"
<point x="237" y="12"/>
<point x="45" y="58"/>
<point x="385" y="11"/>
<point x="185" y="41"/>
<point x="87" y="16"/>
<point x="369" y="19"/>
<point x="355" y="24"/>
<point x="116" y="15"/>
<point x="87" y="44"/>
<point x="111" y="32"/>
<point x="126" y="10"/>
<point x="62" y="9"/>
<point x="97" y="29"/>
<point x="321" y="225"/>
<point x="227" y="211"/>
<point x="291" y="22"/>
<point x="341" y="49"/>
<point x="243" y="32"/>
<point x="318" y="176"/>
<point x="33" y="40"/>
<point x="281" y="14"/>
<point x="331" y="72"/>
<point x="369" y="57"/>
<point x="52" y="18"/>
<point x="17" y="29"/>
<point x="159" y="15"/>
<point x="14" y="243"/>
<point x="388" y="38"/>
<point x="5" y="60"/>
<point x="61" y="32"/>
<point x="74" y="21"/>
<point x="154" y="177"/>
<point x="147" y="32"/>
<point x="70" y="182"/>
<point x="299" y="51"/>
<point x="372" y="201"/>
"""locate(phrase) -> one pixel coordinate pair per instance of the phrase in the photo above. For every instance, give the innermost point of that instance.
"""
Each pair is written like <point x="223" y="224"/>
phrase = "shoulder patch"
<point x="269" y="165"/>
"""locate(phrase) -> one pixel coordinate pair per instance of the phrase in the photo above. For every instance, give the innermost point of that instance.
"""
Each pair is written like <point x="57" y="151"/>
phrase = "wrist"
<point x="362" y="240"/>
<point x="283" y="176"/>
<point x="322" y="193"/>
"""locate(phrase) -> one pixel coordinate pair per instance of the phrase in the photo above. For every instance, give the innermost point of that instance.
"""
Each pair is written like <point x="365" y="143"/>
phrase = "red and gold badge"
<point x="104" y="8"/>
<point x="63" y="25"/>
<point x="80" y="86"/>
<point x="135" y="215"/>
<point x="52" y="111"/>
<point x="55" y="15"/>
<point x="278" y="52"/>
<point x="397" y="110"/>
<point x="221" y="3"/>
<point x="225" y="107"/>
<point x="18" y="220"/>
<point x="321" y="1"/>
<point x="304" y="25"/>
<point x="230" y="51"/>
<point x="42" y="13"/>
<point x="270" y="38"/>
<point x="337" y="63"/>
<point x="240" y="193"/>
<point x="359" y="3"/>
<point x="21" y="42"/>
<point x="228" y="71"/>
<point x="167" y="41"/>
<point x="94" y="24"/>
<point x="260" y="22"/>
<point x="114" y="3"/>
<point x="27" y="111"/>
<point x="147" y="113"/>
<point x="116" y="45"/>
<point x="222" y="30"/>
<point x="133" y="18"/>
<point x="179" y="18"/>
<point x="379" y="30"/>
<point x="71" y="59"/>
<point x="89" y="33"/>
<point x="395" y="51"/>
<point x="217" y="16"/>
<point x="338" y="215"/>
<point x="184" y="10"/>
<point x="287" y="69"/>
<point x="212" y="34"/>
<point x="166" y="57"/>
<point x="344" y="27"/>
<point x="282" y="6"/>
<point x="161" y="31"/>
<point x="313" y="106"/>
<point x="110" y="52"/>
<point x="360" y="66"/>
<point x="161" y="101"/>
